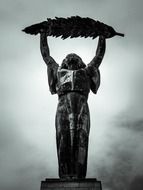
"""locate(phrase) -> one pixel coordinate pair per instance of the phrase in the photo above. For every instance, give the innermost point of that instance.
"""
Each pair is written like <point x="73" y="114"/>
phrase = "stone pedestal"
<point x="71" y="184"/>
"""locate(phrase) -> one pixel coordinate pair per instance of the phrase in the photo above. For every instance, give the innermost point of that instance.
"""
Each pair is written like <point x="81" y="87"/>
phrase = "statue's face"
<point x="73" y="62"/>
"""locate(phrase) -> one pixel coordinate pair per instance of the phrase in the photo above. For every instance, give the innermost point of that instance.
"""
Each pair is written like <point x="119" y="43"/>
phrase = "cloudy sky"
<point x="27" y="131"/>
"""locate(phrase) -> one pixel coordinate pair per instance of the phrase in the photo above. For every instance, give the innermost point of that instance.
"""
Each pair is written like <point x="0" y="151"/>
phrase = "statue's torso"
<point x="72" y="81"/>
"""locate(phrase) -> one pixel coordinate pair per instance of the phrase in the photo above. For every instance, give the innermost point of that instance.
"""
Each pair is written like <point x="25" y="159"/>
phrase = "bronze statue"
<point x="72" y="82"/>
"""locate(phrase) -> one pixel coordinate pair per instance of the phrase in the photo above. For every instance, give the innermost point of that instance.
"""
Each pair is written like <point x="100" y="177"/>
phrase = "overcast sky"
<point x="27" y="131"/>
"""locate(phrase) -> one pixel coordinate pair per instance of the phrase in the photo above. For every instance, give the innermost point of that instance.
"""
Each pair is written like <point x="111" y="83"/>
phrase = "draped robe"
<point x="72" y="116"/>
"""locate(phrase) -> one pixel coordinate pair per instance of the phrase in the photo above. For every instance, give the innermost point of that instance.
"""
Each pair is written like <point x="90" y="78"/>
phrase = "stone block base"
<point x="71" y="184"/>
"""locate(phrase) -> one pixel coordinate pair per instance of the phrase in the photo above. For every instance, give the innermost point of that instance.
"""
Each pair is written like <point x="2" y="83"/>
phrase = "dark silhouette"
<point x="73" y="27"/>
<point x="72" y="81"/>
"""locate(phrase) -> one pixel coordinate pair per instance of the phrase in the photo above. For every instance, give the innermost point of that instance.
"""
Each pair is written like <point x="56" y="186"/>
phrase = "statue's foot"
<point x="68" y="177"/>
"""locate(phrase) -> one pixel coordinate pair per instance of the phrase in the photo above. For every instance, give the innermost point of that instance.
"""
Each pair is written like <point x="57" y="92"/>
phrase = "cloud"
<point x="121" y="164"/>
<point x="16" y="154"/>
<point x="137" y="183"/>
<point x="27" y="133"/>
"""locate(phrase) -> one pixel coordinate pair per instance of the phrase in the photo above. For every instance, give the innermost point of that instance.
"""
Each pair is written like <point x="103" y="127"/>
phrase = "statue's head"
<point x="72" y="62"/>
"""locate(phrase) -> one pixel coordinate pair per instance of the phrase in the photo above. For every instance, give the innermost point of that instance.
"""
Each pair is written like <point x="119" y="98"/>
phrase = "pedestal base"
<point x="71" y="184"/>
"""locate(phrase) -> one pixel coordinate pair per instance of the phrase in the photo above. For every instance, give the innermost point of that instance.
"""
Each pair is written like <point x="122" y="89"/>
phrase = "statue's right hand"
<point x="42" y="30"/>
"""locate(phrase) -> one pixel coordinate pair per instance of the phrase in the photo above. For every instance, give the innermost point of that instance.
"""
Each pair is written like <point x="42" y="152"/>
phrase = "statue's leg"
<point x="82" y="154"/>
<point x="82" y="140"/>
<point x="63" y="154"/>
<point x="63" y="139"/>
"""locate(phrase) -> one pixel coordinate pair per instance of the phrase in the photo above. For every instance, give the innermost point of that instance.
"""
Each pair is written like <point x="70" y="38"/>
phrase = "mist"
<point x="27" y="123"/>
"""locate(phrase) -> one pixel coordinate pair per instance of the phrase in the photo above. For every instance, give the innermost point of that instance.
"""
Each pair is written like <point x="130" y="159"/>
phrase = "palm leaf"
<point x="72" y="27"/>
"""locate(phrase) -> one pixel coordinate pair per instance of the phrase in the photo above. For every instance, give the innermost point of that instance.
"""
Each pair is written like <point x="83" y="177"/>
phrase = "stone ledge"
<point x="71" y="184"/>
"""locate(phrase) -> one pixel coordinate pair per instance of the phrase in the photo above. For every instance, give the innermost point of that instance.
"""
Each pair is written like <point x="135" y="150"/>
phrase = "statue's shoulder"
<point x="52" y="64"/>
<point x="91" y="70"/>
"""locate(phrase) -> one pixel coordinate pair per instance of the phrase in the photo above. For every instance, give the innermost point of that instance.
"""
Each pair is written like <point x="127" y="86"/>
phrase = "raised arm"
<point x="45" y="50"/>
<point x="52" y="66"/>
<point x="96" y="61"/>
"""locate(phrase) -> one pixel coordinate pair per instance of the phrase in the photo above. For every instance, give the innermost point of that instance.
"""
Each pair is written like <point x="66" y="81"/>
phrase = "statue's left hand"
<point x="102" y="37"/>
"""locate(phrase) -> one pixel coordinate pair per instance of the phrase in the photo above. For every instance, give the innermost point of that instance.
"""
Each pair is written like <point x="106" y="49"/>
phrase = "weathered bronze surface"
<point x="72" y="82"/>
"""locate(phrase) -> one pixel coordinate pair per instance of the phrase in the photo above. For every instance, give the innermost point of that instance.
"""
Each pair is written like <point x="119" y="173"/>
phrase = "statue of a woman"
<point x="72" y="81"/>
